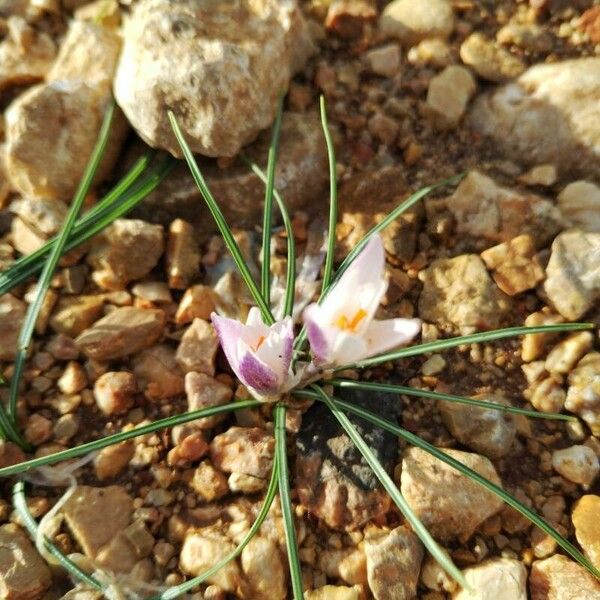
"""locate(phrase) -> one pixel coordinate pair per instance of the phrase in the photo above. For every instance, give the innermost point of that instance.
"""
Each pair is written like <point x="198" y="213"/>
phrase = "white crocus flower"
<point x="341" y="329"/>
<point x="260" y="355"/>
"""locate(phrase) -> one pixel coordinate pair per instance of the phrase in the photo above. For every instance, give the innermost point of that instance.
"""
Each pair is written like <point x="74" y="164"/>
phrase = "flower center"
<point x="260" y="342"/>
<point x="346" y="324"/>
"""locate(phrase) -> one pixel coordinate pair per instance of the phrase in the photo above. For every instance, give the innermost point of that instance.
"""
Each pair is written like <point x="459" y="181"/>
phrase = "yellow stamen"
<point x="261" y="339"/>
<point x="343" y="323"/>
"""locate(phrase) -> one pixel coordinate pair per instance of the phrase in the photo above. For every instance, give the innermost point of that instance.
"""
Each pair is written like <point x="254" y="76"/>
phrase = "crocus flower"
<point x="260" y="355"/>
<point x="341" y="329"/>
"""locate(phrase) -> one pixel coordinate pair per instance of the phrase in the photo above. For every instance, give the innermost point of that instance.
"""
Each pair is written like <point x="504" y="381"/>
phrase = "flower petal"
<point x="349" y="348"/>
<point x="230" y="332"/>
<point x="391" y="333"/>
<point x="255" y="374"/>
<point x="316" y="332"/>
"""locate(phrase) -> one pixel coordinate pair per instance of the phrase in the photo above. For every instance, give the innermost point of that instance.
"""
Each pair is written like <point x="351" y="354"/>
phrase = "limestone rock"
<point x="348" y="18"/>
<point x="559" y="578"/>
<point x="12" y="315"/>
<point x="198" y="348"/>
<point x="448" y="96"/>
<point x="412" y="22"/>
<point x="482" y="208"/>
<point x="246" y="450"/>
<point x="264" y="569"/>
<point x="220" y="71"/>
<point x="74" y="314"/>
<point x="158" y="373"/>
<point x="125" y="330"/>
<point x="449" y="504"/>
<point x="125" y="251"/>
<point x="514" y="264"/>
<point x="23" y="573"/>
<point x="564" y="94"/>
<point x="26" y="55"/>
<point x="495" y="579"/>
<point x="567" y="353"/>
<point x="97" y="515"/>
<point x="44" y="216"/>
<point x="393" y="563"/>
<point x="333" y="481"/>
<point x="587" y="526"/>
<point x="52" y="128"/>
<point x="300" y="177"/>
<point x="204" y="391"/>
<point x="573" y="273"/>
<point x="578" y="464"/>
<point x="579" y="204"/>
<point x="459" y="293"/>
<point x="209" y="483"/>
<point x="198" y="301"/>
<point x="583" y="396"/>
<point x="183" y="254"/>
<point x="334" y="592"/>
<point x="490" y="432"/>
<point x="489" y="60"/>
<point x="384" y="61"/>
<point x="114" y="392"/>
<point x="112" y="460"/>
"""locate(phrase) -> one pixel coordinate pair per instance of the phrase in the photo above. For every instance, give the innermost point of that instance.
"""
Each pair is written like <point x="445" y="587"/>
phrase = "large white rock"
<point x="550" y="114"/>
<point x="220" y="66"/>
<point x="495" y="579"/>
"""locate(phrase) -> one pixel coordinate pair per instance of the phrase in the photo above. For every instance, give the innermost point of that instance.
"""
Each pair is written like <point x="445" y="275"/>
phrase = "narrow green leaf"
<point x="333" y="207"/>
<point x="88" y="226"/>
<point x="115" y="438"/>
<point x="20" y="505"/>
<point x="183" y="588"/>
<point x="415" y="440"/>
<point x="221" y="222"/>
<point x="43" y="284"/>
<point x="290" y="277"/>
<point x="286" y="503"/>
<point x="265" y="279"/>
<point x="432" y="546"/>
<point x="476" y="338"/>
<point x="409" y="391"/>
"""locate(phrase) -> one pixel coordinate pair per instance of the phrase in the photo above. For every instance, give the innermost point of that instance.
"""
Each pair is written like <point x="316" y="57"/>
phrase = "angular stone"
<point x="334" y="592"/>
<point x="449" y="504"/>
<point x="573" y="273"/>
<point x="579" y="204"/>
<point x="482" y="208"/>
<point x="96" y="515"/>
<point x="490" y="432"/>
<point x="183" y="254"/>
<point x="348" y="18"/>
<point x="158" y="373"/>
<point x="411" y="23"/>
<point x="26" y="55"/>
<point x="459" y="293"/>
<point x="74" y="314"/>
<point x="125" y="330"/>
<point x="69" y="108"/>
<point x="23" y="573"/>
<point x="264" y="569"/>
<point x="125" y="251"/>
<point x="333" y="481"/>
<point x="198" y="348"/>
<point x="578" y="464"/>
<point x="44" y="216"/>
<point x="489" y="60"/>
<point x="199" y="301"/>
<point x="587" y="526"/>
<point x="25" y="239"/>
<point x="204" y="391"/>
<point x="114" y="392"/>
<point x="112" y="460"/>
<point x="12" y="315"/>
<point x="559" y="578"/>
<point x="300" y="177"/>
<point x="384" y="61"/>
<point x="247" y="450"/>
<point x="209" y="483"/>
<point x="495" y="579"/>
<point x="250" y="49"/>
<point x="564" y="94"/>
<point x="583" y="396"/>
<point x="528" y="36"/>
<point x="567" y="353"/>
<point x="393" y="563"/>
<point x="448" y="95"/>
<point x="514" y="264"/>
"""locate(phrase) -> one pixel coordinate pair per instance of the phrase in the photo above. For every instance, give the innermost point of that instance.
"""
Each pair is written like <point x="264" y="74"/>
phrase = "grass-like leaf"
<point x="221" y="223"/>
<point x="415" y="440"/>
<point x="290" y="276"/>
<point x="291" y="541"/>
<point x="265" y="272"/>
<point x="33" y="310"/>
<point x="20" y="506"/>
<point x="183" y="588"/>
<point x="475" y="338"/>
<point x="440" y="555"/>
<point x="122" y="436"/>
<point x="128" y="193"/>
<point x="333" y="205"/>
<point x="409" y="391"/>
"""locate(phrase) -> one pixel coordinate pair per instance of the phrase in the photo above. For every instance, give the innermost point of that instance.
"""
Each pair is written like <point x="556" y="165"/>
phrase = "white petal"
<point x="391" y="333"/>
<point x="348" y="348"/>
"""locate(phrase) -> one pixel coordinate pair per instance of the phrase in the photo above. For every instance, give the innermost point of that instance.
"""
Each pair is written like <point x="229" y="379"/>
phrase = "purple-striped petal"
<point x="229" y="332"/>
<point x="255" y="374"/>
<point x="316" y="336"/>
